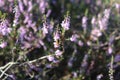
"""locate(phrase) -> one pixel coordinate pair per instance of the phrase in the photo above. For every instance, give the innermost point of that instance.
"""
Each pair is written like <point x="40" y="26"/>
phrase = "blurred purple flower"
<point x="56" y="44"/>
<point x="95" y="34"/>
<point x="99" y="76"/>
<point x="22" y="31"/>
<point x="74" y="37"/>
<point x="58" y="53"/>
<point x="103" y="21"/>
<point x="26" y="45"/>
<point x="93" y="22"/>
<point x="84" y="23"/>
<point x="3" y="44"/>
<point x="107" y="13"/>
<point x="17" y="15"/>
<point x="74" y="74"/>
<point x="117" y="58"/>
<point x="27" y="17"/>
<point x="66" y="23"/>
<point x="56" y="36"/>
<point x="4" y="28"/>
<point x="117" y="6"/>
<point x="43" y="5"/>
<point x="21" y="7"/>
<point x="45" y="28"/>
<point x="110" y="50"/>
<point x="80" y="43"/>
<point x="50" y="58"/>
<point x="30" y="6"/>
<point x="2" y="3"/>
<point x="89" y="43"/>
<point x="25" y="2"/>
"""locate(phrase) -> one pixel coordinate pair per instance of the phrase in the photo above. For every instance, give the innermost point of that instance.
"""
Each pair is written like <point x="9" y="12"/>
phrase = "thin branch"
<point x="32" y="61"/>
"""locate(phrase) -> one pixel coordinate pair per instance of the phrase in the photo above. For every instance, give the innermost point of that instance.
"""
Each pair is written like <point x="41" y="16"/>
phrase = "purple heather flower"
<point x="84" y="23"/>
<point x="48" y="13"/>
<point x="26" y="45"/>
<point x="80" y="43"/>
<point x="27" y="17"/>
<point x="41" y="42"/>
<point x="58" y="53"/>
<point x="117" y="6"/>
<point x="21" y="7"/>
<point x="5" y="31"/>
<point x="22" y="32"/>
<point x="107" y="13"/>
<point x="17" y="15"/>
<point x="3" y="44"/>
<point x="30" y="6"/>
<point x="74" y="38"/>
<point x="66" y="23"/>
<point x="95" y="34"/>
<point x="93" y="22"/>
<point x="56" y="45"/>
<point x="25" y="2"/>
<point x="4" y="28"/>
<point x="102" y="24"/>
<point x="99" y="76"/>
<point x="103" y="21"/>
<point x="50" y="58"/>
<point x="89" y="43"/>
<point x="56" y="36"/>
<point x="117" y="58"/>
<point x="2" y="3"/>
<point x="45" y="28"/>
<point x="74" y="74"/>
<point x="42" y="6"/>
<point x="110" y="50"/>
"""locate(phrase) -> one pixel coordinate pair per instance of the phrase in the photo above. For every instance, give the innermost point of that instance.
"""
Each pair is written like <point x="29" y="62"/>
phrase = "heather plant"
<point x="59" y="40"/>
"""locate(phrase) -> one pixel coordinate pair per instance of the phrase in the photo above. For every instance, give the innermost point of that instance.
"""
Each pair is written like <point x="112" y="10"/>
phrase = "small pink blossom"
<point x="74" y="38"/>
<point x="3" y="44"/>
<point x="58" y="53"/>
<point x="50" y="58"/>
<point x="110" y="50"/>
<point x="80" y="43"/>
